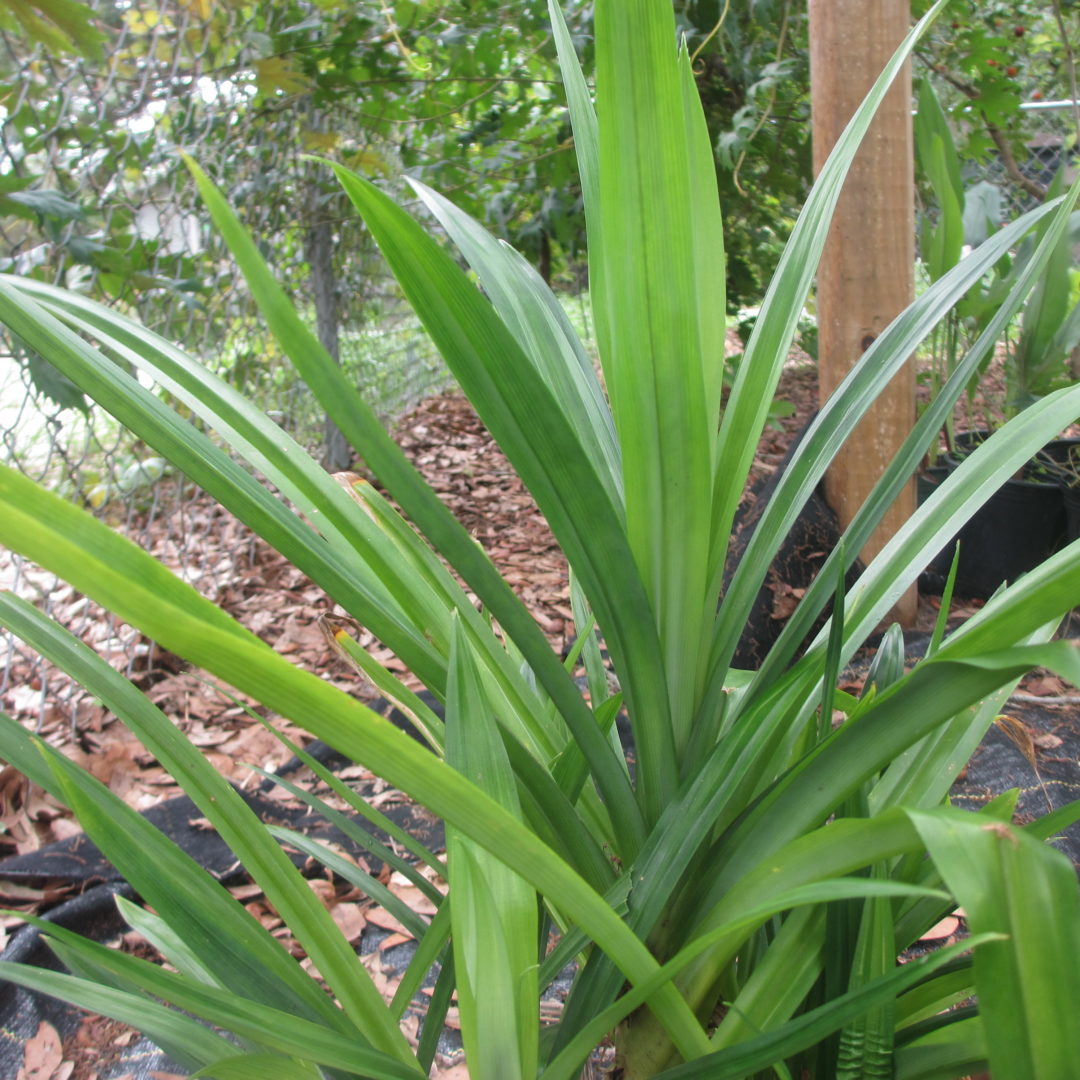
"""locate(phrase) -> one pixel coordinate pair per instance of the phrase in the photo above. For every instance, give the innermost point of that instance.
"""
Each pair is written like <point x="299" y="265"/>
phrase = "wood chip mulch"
<point x="457" y="456"/>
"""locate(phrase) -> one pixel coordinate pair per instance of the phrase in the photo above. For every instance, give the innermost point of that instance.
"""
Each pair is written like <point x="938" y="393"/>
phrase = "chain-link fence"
<point x="1049" y="130"/>
<point x="94" y="196"/>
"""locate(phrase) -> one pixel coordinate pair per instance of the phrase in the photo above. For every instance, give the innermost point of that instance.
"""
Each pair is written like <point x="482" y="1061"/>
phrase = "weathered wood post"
<point x="867" y="272"/>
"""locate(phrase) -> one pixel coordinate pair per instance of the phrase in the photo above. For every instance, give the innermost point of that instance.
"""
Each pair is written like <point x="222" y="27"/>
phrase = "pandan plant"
<point x="1040" y="356"/>
<point x="733" y="906"/>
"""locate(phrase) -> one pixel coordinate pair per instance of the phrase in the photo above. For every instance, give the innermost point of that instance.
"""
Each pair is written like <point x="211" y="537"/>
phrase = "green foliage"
<point x="737" y="904"/>
<point x="1038" y="358"/>
<point x="992" y="56"/>
<point x="59" y="25"/>
<point x="97" y="199"/>
<point x="753" y="74"/>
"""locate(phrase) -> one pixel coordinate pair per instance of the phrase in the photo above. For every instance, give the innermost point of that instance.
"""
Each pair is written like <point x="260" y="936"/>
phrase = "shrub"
<point x="740" y="901"/>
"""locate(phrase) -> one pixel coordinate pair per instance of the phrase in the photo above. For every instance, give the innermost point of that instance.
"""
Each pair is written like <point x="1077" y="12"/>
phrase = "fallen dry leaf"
<point x="397" y="938"/>
<point x="1018" y="733"/>
<point x="1047" y="741"/>
<point x="382" y="918"/>
<point x="943" y="929"/>
<point x="43" y="1056"/>
<point x="350" y="919"/>
<point x="413" y="898"/>
<point x="785" y="600"/>
<point x="1045" y="686"/>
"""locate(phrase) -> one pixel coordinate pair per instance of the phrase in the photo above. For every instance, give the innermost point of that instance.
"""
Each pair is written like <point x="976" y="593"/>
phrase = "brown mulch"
<point x="449" y="446"/>
<point x="216" y="553"/>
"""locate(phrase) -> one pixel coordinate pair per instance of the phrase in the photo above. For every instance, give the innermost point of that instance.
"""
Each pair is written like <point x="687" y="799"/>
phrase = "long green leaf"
<point x="243" y="956"/>
<point x="534" y="316"/>
<point x="660" y="263"/>
<point x="361" y="807"/>
<point x="127" y="839"/>
<point x="959" y="1050"/>
<point x="163" y="1025"/>
<point x="520" y="410"/>
<point x="259" y="1067"/>
<point x="270" y="449"/>
<point x="356" y="420"/>
<point x="939" y="518"/>
<point x="494" y="911"/>
<point x="354" y="875"/>
<point x="1012" y="885"/>
<point x="889" y="352"/>
<point x="767" y="349"/>
<point x="582" y="116"/>
<point x="934" y="996"/>
<point x="570" y="1058"/>
<point x="587" y="152"/>
<point x="121" y="577"/>
<point x="901" y="468"/>
<point x="934" y="691"/>
<point x="756" y="1054"/>
<point x="936" y="150"/>
<point x="268" y="1028"/>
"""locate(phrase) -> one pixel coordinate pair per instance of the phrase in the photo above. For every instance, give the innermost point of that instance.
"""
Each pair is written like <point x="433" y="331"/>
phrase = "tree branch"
<point x="1000" y="140"/>
<point x="1012" y="170"/>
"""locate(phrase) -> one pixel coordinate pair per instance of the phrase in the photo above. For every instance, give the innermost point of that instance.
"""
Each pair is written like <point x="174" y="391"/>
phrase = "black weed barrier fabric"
<point x="76" y="865"/>
<point x="1044" y="765"/>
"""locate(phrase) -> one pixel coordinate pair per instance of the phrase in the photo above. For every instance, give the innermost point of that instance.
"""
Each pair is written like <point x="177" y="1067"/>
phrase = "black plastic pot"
<point x="1071" y="497"/>
<point x="930" y="476"/>
<point x="1019" y="526"/>
<point x="1061" y="460"/>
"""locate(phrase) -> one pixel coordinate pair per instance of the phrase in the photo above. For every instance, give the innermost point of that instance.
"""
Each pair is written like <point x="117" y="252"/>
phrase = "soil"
<point x="450" y="447"/>
<point x="460" y="460"/>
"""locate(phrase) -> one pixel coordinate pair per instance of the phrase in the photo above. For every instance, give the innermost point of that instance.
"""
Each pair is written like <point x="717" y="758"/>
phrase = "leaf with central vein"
<point x="494" y="911"/>
<point x="249" y="431"/>
<point x="1027" y="984"/>
<point x="663" y="362"/>
<point x="117" y="574"/>
<point x="534" y="316"/>
<point x="889" y="352"/>
<point x="521" y="412"/>
<point x="361" y="427"/>
<point x="767" y="349"/>
<point x="173" y="883"/>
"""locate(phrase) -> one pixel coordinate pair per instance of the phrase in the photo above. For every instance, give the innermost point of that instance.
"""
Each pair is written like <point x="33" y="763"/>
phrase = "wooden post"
<point x="867" y="271"/>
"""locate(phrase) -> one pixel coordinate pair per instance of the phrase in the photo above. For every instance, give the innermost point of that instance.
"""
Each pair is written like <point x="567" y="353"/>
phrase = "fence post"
<point x="867" y="272"/>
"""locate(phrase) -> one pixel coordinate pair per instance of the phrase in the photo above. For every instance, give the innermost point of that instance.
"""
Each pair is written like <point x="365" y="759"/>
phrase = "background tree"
<point x="462" y="93"/>
<point x="93" y="195"/>
<point x="988" y="59"/>
<point x="753" y="72"/>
